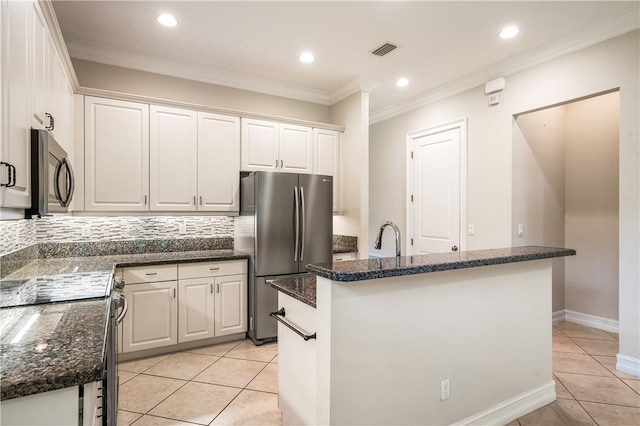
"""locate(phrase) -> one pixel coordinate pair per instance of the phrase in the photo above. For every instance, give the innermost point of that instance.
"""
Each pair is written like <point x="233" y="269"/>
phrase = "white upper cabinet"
<point x="259" y="145"/>
<point x="271" y="146"/>
<point x="15" y="150"/>
<point x="296" y="149"/>
<point x="173" y="159"/>
<point x="218" y="162"/>
<point x="34" y="83"/>
<point x="116" y="155"/>
<point x="326" y="150"/>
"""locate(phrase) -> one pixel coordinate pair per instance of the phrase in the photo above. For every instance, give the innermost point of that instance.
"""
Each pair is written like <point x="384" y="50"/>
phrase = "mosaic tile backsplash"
<point x="16" y="235"/>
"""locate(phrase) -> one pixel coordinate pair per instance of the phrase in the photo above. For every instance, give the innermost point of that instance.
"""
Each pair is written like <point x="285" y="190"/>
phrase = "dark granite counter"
<point x="303" y="287"/>
<point x="344" y="244"/>
<point x="358" y="270"/>
<point x="64" y="344"/>
<point x="67" y="265"/>
<point x="300" y="287"/>
<point x="51" y="346"/>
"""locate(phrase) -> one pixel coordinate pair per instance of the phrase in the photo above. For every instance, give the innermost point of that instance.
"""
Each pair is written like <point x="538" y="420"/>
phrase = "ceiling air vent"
<point x="384" y="49"/>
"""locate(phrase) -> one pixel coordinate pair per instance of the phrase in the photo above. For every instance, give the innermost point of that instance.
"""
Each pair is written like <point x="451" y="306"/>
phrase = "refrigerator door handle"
<point x="297" y="219"/>
<point x="302" y="218"/>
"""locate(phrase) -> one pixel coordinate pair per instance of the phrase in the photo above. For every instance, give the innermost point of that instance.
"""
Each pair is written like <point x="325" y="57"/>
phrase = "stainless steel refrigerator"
<point x="285" y="223"/>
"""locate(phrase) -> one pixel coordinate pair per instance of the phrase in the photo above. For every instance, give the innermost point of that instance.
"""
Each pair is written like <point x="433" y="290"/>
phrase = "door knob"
<point x="454" y="248"/>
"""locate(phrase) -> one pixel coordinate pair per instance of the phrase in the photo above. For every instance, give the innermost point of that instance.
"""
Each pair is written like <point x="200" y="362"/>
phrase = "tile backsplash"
<point x="16" y="235"/>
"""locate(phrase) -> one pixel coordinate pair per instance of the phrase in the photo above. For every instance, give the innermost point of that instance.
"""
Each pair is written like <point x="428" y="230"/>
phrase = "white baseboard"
<point x="513" y="408"/>
<point x="589" y="320"/>
<point x="628" y="365"/>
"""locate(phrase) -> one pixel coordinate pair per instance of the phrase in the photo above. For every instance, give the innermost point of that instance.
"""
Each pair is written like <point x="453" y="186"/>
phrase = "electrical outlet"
<point x="520" y="229"/>
<point x="182" y="228"/>
<point x="445" y="389"/>
<point x="472" y="230"/>
<point x="86" y="230"/>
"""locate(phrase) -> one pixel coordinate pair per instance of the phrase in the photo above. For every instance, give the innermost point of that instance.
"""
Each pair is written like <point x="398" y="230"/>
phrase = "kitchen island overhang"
<point x="385" y="345"/>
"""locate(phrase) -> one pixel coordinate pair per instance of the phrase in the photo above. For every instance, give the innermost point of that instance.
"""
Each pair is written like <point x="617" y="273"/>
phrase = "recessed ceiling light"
<point x="167" y="20"/>
<point x="508" y="32"/>
<point x="307" y="57"/>
<point x="402" y="82"/>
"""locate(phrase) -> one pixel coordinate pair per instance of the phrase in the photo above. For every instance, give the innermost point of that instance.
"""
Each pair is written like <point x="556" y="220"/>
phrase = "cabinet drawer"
<point x="146" y="274"/>
<point x="211" y="269"/>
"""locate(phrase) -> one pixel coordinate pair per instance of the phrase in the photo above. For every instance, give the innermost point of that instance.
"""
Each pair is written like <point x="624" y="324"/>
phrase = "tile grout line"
<point x="147" y="413"/>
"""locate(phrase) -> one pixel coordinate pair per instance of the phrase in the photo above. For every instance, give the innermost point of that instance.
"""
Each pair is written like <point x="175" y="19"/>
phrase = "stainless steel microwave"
<point x="52" y="180"/>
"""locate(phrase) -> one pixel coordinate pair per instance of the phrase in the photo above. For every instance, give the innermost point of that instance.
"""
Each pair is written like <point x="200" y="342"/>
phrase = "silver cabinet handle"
<point x="174" y="293"/>
<point x="214" y="269"/>
<point x="211" y="288"/>
<point x="151" y="274"/>
<point x="145" y="200"/>
<point x="276" y="163"/>
<point x="217" y="288"/>
<point x="201" y="200"/>
<point x="194" y="200"/>
<point x="281" y="164"/>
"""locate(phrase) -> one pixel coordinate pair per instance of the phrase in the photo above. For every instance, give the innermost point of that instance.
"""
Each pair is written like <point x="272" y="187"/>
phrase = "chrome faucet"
<point x="378" y="244"/>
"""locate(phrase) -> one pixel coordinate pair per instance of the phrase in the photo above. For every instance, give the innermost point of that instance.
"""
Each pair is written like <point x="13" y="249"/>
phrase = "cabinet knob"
<point x="454" y="248"/>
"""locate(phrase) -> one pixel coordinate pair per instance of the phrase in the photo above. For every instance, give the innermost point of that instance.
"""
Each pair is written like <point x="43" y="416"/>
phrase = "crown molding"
<point x="358" y="84"/>
<point x="56" y="35"/>
<point x="610" y="28"/>
<point x="100" y="54"/>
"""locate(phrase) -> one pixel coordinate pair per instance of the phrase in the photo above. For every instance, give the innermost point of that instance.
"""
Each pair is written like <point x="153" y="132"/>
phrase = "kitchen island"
<point x="453" y="338"/>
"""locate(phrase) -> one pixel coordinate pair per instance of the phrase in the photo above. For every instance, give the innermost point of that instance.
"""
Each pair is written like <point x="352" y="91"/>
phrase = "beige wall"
<point x="107" y="77"/>
<point x="538" y="193"/>
<point x="591" y="215"/>
<point x="565" y="193"/>
<point x="598" y="68"/>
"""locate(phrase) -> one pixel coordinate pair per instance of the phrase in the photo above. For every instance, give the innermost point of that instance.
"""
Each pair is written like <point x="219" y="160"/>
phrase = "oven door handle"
<point x="125" y="308"/>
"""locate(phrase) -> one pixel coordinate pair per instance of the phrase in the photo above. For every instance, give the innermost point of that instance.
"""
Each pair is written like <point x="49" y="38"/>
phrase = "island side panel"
<point x="385" y="345"/>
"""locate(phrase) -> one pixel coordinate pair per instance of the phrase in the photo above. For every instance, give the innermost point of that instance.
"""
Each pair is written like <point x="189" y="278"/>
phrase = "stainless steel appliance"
<point x="52" y="180"/>
<point x="111" y="382"/>
<point x="285" y="223"/>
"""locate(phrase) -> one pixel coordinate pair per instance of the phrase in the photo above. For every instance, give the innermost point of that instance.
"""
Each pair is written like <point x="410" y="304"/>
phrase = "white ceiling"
<point x="443" y="46"/>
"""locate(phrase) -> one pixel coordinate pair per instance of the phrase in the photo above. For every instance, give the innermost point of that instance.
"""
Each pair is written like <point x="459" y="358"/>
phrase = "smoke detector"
<point x="384" y="49"/>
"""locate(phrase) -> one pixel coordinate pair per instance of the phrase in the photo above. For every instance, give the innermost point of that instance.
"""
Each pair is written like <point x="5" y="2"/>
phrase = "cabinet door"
<point x="151" y="321"/>
<point x="295" y="149"/>
<point x="231" y="304"/>
<point x="326" y="149"/>
<point x="195" y="309"/>
<point x="259" y="145"/>
<point x="39" y="65"/>
<point x="218" y="162"/>
<point x="173" y="159"/>
<point x="116" y="155"/>
<point x="15" y="149"/>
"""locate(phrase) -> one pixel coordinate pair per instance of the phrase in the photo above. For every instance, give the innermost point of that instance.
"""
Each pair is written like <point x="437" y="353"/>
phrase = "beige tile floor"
<point x="236" y="384"/>
<point x="232" y="383"/>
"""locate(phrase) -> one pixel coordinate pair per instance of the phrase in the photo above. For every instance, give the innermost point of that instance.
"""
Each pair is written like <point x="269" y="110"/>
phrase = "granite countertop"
<point x="64" y="346"/>
<point x="357" y="270"/>
<point x="300" y="287"/>
<point x="303" y="287"/>
<point x="71" y="265"/>
<point x="65" y="342"/>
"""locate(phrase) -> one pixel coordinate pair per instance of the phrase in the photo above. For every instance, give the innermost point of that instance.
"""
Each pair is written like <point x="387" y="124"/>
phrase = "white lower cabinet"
<point x="151" y="321"/>
<point x="297" y="364"/>
<point x="196" y="309"/>
<point x="231" y="305"/>
<point x="171" y="304"/>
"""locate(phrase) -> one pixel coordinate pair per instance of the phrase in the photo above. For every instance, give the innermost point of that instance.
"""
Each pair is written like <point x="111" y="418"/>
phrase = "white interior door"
<point x="435" y="190"/>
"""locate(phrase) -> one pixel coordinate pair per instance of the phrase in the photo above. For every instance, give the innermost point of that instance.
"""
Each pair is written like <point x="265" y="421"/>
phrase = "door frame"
<point x="460" y="124"/>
